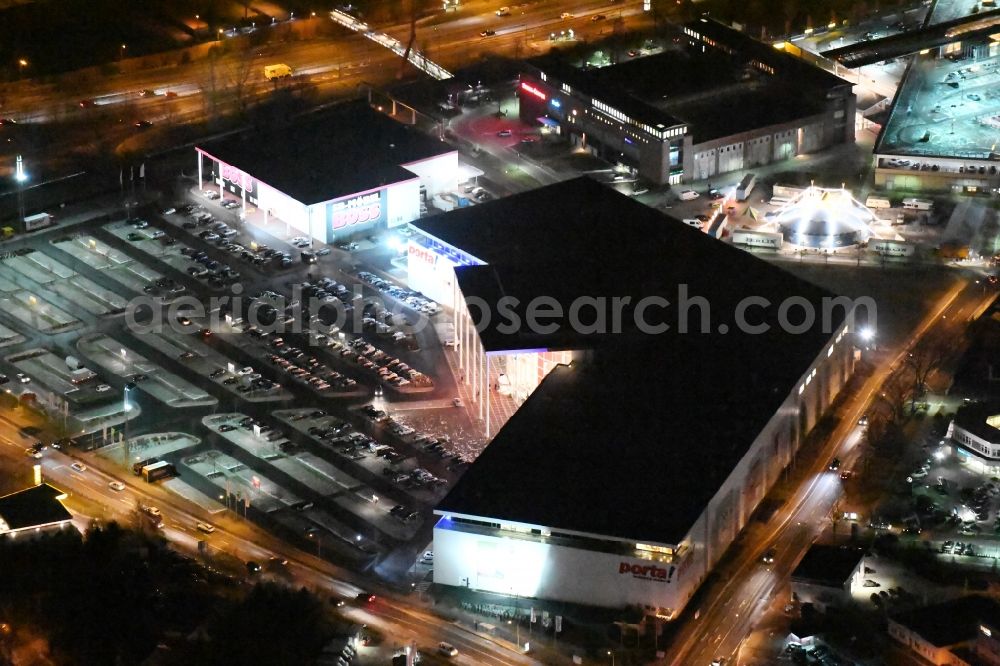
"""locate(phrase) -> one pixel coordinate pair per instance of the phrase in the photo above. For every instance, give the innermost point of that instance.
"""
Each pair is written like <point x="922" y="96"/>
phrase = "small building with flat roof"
<point x="32" y="510"/>
<point x="960" y="632"/>
<point x="976" y="432"/>
<point x="333" y="174"/>
<point x="828" y="575"/>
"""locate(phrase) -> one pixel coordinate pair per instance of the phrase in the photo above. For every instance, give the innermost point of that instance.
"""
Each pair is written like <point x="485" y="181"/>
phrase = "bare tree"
<point x="925" y="358"/>
<point x="895" y="394"/>
<point x="239" y="69"/>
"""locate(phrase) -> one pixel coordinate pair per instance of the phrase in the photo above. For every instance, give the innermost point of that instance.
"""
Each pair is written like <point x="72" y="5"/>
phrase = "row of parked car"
<point x="384" y="367"/>
<point x="222" y="235"/>
<point x="413" y="299"/>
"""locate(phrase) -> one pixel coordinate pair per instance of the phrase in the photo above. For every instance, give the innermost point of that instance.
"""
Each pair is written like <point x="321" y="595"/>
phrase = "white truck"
<point x="272" y="72"/>
<point x="768" y="239"/>
<point x="917" y="204"/>
<point x="891" y="248"/>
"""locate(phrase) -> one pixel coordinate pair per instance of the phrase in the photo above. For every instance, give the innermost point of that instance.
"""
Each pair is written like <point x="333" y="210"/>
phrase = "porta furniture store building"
<point x="631" y="464"/>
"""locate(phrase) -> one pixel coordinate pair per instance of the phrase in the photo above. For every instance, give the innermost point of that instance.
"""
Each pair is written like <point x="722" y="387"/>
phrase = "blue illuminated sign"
<point x="556" y="103"/>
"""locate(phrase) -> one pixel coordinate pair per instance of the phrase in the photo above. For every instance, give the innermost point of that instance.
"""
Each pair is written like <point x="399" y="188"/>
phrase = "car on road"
<point x="768" y="557"/>
<point x="503" y="11"/>
<point x="143" y="124"/>
<point x="79" y="466"/>
<point x="504" y="133"/>
<point x="205" y="527"/>
<point x="23" y="378"/>
<point x="103" y="388"/>
<point x="566" y="15"/>
<point x="834" y="465"/>
<point x="447" y="649"/>
<point x="688" y="195"/>
<point x="598" y="17"/>
<point x="31" y="452"/>
<point x="365" y="597"/>
<point x="253" y="568"/>
<point x="117" y="486"/>
<point x="487" y="33"/>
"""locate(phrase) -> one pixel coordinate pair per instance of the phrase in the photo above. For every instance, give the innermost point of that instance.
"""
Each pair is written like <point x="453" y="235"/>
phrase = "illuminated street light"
<point x="867" y="334"/>
<point x="121" y="52"/>
<point x="19" y="173"/>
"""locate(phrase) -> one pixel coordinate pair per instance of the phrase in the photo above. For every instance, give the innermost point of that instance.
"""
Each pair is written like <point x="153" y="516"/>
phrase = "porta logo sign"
<point x="647" y="572"/>
<point x="359" y="210"/>
<point x="420" y="254"/>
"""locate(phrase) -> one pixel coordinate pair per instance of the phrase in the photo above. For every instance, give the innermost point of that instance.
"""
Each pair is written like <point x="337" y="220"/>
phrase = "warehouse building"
<point x="333" y="175"/>
<point x="942" y="130"/>
<point x="730" y="103"/>
<point x="647" y="434"/>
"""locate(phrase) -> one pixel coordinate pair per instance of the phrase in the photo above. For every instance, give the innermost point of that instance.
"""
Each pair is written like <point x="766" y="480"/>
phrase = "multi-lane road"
<point x="336" y="66"/>
<point x="745" y="586"/>
<point x="90" y="498"/>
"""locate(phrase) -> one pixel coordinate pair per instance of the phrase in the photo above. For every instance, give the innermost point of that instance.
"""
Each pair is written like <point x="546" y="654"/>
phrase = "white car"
<point x="688" y="195"/>
<point x="206" y="528"/>
<point x="79" y="466"/>
<point x="103" y="388"/>
<point x="117" y="486"/>
<point x="242" y="372"/>
<point x="447" y="649"/>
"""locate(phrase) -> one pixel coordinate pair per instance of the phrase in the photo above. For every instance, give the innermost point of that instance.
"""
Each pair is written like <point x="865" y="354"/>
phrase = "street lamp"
<point x="126" y="408"/>
<point x="121" y="51"/>
<point x="612" y="655"/>
<point x="20" y="177"/>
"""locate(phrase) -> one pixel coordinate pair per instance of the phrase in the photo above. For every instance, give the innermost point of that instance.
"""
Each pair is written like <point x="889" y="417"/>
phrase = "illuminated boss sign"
<point x="647" y="572"/>
<point x="236" y="177"/>
<point x="422" y="255"/>
<point x="365" y="208"/>
<point x="528" y="88"/>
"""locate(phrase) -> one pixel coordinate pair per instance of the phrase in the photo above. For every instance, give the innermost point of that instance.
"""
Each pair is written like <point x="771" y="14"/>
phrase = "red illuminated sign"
<point x="426" y="256"/>
<point x="236" y="177"/>
<point x="646" y="572"/>
<point x="527" y="87"/>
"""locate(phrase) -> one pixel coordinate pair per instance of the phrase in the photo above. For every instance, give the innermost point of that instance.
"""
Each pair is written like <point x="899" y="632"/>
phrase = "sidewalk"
<point x="542" y="648"/>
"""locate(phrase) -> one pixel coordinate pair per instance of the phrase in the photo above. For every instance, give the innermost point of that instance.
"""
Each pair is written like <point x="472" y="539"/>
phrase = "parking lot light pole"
<point x="125" y="410"/>
<point x="20" y="176"/>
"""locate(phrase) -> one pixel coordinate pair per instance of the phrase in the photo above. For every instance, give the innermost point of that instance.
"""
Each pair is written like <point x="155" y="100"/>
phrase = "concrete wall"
<point x="730" y="509"/>
<point x="537" y="568"/>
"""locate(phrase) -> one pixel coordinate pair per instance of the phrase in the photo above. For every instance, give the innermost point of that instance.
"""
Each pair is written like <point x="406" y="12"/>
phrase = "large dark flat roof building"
<point x="730" y="103"/>
<point x="637" y="452"/>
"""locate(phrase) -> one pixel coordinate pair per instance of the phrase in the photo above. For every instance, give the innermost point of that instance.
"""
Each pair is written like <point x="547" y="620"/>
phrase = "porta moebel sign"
<point x="649" y="572"/>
